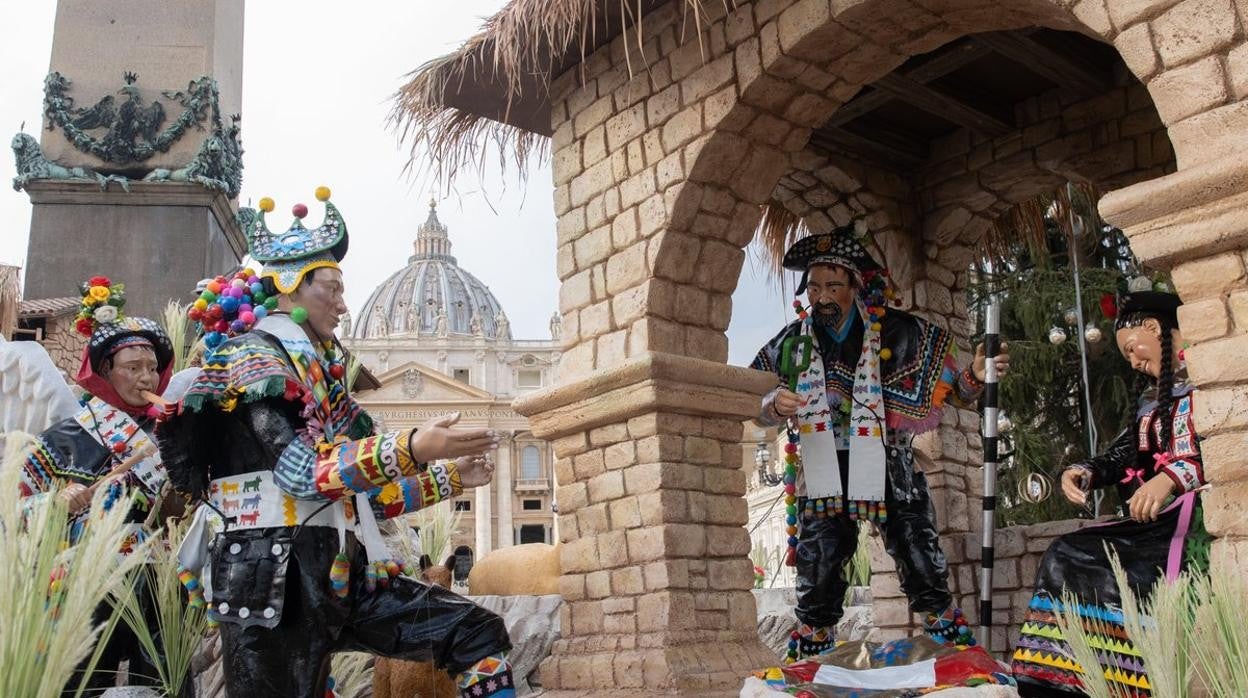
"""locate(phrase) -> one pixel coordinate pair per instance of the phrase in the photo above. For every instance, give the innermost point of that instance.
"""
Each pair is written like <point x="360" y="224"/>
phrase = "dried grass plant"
<point x="44" y="634"/>
<point x="1190" y="634"/>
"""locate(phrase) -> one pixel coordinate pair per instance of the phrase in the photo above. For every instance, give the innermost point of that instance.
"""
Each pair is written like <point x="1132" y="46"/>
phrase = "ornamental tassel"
<point x="194" y="592"/>
<point x="340" y="574"/>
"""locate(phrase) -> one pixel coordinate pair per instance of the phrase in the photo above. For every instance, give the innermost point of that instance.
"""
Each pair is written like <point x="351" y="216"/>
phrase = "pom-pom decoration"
<point x="226" y="308"/>
<point x="102" y="301"/>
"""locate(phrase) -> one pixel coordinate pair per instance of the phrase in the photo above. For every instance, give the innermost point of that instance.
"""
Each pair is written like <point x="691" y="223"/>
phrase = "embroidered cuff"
<point x="768" y="416"/>
<point x="969" y="387"/>
<point x="409" y="494"/>
<point x="1185" y="473"/>
<point x="363" y="465"/>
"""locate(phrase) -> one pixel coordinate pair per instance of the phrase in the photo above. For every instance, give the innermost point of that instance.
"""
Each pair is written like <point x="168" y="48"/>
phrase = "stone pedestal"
<point x="651" y="516"/>
<point x="159" y="239"/>
<point x="166" y="44"/>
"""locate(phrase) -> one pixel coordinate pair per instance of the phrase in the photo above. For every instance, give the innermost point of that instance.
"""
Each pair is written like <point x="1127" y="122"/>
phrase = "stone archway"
<point x="659" y="176"/>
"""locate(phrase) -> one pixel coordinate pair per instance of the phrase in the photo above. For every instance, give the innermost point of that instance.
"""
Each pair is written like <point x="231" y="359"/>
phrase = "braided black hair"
<point x="1165" y="376"/>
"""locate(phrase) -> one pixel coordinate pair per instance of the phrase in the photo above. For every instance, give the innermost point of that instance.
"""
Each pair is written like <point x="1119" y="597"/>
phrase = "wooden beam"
<point x="948" y="60"/>
<point x="895" y="155"/>
<point x="942" y="105"/>
<point x="1064" y="70"/>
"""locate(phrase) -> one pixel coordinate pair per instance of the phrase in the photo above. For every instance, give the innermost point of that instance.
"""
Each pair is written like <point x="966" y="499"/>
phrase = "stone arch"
<point x="659" y="175"/>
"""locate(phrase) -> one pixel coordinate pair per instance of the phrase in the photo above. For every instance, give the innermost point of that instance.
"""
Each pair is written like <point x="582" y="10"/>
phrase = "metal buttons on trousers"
<point x="223" y="608"/>
<point x="244" y="612"/>
<point x="277" y="548"/>
<point x="235" y="548"/>
<point x="270" y="612"/>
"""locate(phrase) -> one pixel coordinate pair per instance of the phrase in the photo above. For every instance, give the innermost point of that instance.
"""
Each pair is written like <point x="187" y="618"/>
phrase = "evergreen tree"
<point x="1027" y="263"/>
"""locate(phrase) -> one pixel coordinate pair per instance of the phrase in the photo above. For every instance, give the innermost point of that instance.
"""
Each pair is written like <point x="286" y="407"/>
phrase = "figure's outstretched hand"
<point x="1148" y="501"/>
<point x="1075" y="485"/>
<point x="440" y="438"/>
<point x="1002" y="360"/>
<point x="474" y="471"/>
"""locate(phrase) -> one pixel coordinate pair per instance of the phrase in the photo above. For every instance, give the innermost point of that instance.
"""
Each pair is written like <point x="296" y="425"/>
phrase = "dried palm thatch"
<point x="777" y="231"/>
<point x="518" y="49"/>
<point x="10" y="297"/>
<point x="1025" y="225"/>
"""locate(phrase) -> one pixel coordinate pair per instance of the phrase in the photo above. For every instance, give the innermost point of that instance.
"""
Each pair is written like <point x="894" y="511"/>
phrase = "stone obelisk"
<point x="137" y="90"/>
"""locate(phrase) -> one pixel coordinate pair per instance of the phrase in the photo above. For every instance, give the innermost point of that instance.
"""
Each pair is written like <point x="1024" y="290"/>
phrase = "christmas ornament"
<point x="1071" y="316"/>
<point x="1093" y="334"/>
<point x="1057" y="335"/>
<point x="1004" y="423"/>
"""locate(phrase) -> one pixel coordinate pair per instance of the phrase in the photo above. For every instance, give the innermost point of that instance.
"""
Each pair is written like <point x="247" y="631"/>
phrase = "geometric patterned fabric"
<point x="1043" y="654"/>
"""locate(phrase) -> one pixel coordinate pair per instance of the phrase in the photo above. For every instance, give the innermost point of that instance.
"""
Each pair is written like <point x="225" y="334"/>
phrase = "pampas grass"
<point x="174" y="320"/>
<point x="180" y="626"/>
<point x="353" y="674"/>
<point x="43" y="636"/>
<point x="1190" y="633"/>
<point x="438" y="526"/>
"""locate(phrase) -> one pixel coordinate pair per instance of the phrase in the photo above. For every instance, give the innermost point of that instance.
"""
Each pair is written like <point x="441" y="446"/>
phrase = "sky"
<point x="502" y="226"/>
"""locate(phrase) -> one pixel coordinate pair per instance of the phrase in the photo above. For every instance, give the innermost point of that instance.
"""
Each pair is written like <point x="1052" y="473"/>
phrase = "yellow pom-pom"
<point x="267" y="205"/>
<point x="886" y="353"/>
<point x="322" y="193"/>
<point x="875" y="327"/>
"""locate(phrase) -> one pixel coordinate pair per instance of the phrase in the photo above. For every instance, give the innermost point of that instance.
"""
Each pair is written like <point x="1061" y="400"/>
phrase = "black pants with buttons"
<point x="408" y="619"/>
<point x="825" y="544"/>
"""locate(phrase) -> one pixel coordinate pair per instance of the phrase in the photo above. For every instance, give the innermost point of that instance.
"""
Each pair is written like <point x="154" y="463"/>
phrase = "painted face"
<point x="131" y="371"/>
<point x="1141" y="347"/>
<point x="321" y="295"/>
<point x="830" y="290"/>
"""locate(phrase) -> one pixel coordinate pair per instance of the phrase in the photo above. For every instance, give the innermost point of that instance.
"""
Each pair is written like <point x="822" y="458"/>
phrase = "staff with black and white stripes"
<point x="992" y="347"/>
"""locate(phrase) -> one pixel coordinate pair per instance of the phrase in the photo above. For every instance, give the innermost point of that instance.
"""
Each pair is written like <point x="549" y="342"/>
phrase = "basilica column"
<point x="484" y="522"/>
<point x="502" y="478"/>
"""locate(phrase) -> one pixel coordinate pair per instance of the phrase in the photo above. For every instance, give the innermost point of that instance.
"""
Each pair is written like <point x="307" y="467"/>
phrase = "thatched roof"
<point x="494" y="91"/>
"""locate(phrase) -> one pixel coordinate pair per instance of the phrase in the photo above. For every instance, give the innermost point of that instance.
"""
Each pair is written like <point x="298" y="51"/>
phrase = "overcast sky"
<point x="295" y="138"/>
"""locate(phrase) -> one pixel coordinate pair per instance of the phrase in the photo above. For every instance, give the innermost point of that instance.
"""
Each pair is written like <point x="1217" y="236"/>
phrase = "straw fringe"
<point x="520" y="43"/>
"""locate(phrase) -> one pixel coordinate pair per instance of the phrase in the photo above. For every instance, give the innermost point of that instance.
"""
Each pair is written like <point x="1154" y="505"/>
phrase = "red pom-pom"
<point x="790" y="448"/>
<point x="299" y="210"/>
<point x="797" y="303"/>
<point x="119" y="447"/>
<point x="1109" y="308"/>
<point x="222" y="326"/>
<point x="336" y="371"/>
<point x="195" y="314"/>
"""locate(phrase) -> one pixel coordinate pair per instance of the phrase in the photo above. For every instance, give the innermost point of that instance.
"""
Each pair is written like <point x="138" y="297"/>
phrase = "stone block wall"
<point x="64" y="344"/>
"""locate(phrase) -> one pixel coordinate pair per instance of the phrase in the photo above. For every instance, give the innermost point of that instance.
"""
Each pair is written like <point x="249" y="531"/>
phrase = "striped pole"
<point x="992" y="347"/>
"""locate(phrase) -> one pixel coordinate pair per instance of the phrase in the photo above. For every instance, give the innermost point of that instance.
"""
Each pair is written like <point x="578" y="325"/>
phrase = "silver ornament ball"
<point x="1093" y="334"/>
<point x="1057" y="335"/>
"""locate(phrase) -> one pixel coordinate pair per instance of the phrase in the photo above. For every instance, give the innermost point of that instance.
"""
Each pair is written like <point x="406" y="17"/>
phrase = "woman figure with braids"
<point x="1155" y="464"/>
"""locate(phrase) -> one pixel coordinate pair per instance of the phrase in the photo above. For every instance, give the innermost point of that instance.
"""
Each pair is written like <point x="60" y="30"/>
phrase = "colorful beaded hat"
<point x="288" y="256"/>
<point x="841" y="247"/>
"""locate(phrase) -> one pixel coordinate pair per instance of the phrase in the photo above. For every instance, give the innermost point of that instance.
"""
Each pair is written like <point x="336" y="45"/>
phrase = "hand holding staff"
<point x="79" y="496"/>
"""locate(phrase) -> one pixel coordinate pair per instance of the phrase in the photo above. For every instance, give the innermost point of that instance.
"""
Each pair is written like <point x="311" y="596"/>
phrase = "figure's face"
<point x="321" y="295"/>
<point x="132" y="371"/>
<point x="1141" y="347"/>
<point x="830" y="291"/>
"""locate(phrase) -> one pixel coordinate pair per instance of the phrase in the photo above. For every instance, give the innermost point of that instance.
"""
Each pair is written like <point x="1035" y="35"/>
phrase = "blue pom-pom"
<point x="229" y="304"/>
<point x="792" y="541"/>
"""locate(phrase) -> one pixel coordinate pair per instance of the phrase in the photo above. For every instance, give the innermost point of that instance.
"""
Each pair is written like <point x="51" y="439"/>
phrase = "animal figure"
<point x="229" y="488"/>
<point x="530" y="569"/>
<point x="249" y="519"/>
<point x="229" y="504"/>
<point x="251" y="502"/>
<point x="398" y="678"/>
<point x="252" y="485"/>
<point x="32" y="165"/>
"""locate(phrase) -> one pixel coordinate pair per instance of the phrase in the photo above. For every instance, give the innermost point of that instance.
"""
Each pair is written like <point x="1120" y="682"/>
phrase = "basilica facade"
<point x="439" y="342"/>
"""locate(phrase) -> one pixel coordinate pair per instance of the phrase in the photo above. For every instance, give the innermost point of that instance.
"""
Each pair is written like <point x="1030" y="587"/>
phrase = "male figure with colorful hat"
<point x="860" y="381"/>
<point x="109" y="444"/>
<point x="285" y="547"/>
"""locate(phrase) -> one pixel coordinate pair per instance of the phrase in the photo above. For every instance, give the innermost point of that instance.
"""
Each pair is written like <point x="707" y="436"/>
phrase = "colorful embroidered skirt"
<point x="1078" y="563"/>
